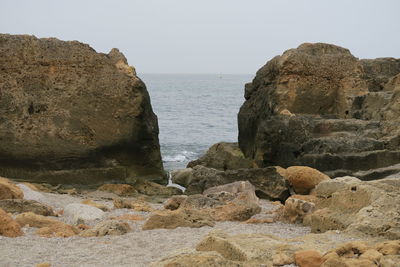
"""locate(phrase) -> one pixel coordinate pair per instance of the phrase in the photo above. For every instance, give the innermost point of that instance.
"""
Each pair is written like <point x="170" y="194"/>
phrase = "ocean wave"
<point x="180" y="157"/>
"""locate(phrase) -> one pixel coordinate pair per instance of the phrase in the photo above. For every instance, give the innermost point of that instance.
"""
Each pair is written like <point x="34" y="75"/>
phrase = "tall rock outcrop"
<point x="319" y="106"/>
<point x="71" y="115"/>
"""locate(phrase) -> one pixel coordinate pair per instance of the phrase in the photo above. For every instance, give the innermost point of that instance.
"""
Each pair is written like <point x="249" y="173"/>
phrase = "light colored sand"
<point x="138" y="248"/>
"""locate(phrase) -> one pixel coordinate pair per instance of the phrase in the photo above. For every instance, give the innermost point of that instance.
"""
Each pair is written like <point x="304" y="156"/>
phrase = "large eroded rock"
<point x="319" y="106"/>
<point x="71" y="115"/>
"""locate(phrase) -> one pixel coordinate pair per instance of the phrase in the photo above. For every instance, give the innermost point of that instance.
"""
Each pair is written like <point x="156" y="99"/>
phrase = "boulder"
<point x="303" y="179"/>
<point x="268" y="182"/>
<point x="167" y="219"/>
<point x="239" y="187"/>
<point x="108" y="227"/>
<point x="223" y="156"/>
<point x="123" y="190"/>
<point x="153" y="189"/>
<point x="74" y="116"/>
<point x="308" y="258"/>
<point x="174" y="202"/>
<point x="296" y="209"/>
<point x="35" y="220"/>
<point x="182" y="176"/>
<point x="8" y="226"/>
<point x="81" y="213"/>
<point x="94" y="204"/>
<point x="8" y="190"/>
<point x="315" y="106"/>
<point x="369" y="208"/>
<point x="22" y="205"/>
<point x="57" y="230"/>
<point x="135" y="204"/>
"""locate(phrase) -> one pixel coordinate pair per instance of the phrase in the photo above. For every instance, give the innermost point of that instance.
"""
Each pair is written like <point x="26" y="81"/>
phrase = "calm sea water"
<point x="194" y="112"/>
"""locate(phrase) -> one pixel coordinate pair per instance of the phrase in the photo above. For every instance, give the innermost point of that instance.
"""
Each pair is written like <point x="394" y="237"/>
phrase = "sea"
<point x="194" y="112"/>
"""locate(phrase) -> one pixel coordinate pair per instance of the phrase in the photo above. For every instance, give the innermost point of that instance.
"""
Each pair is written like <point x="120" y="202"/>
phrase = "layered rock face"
<point x="319" y="106"/>
<point x="71" y="115"/>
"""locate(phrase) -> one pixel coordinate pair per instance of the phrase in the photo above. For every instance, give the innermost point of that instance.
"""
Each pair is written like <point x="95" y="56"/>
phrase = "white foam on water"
<point x="180" y="157"/>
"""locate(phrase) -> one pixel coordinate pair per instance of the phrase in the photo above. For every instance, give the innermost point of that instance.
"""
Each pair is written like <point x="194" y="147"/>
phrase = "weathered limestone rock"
<point x="48" y="227"/>
<point x="269" y="183"/>
<point x="8" y="190"/>
<point x="57" y="230"/>
<point x="168" y="219"/>
<point x="308" y="258"/>
<point x="182" y="177"/>
<point x="108" y="227"/>
<point x="230" y="202"/>
<point x="123" y="190"/>
<point x="81" y="213"/>
<point x="303" y="179"/>
<point x="94" y="204"/>
<point x="370" y="208"/>
<point x="174" y="202"/>
<point x="319" y="106"/>
<point x="135" y="204"/>
<point x="8" y="226"/>
<point x="71" y="115"/>
<point x="35" y="220"/>
<point x="153" y="189"/>
<point x="189" y="259"/>
<point x="22" y="205"/>
<point x="379" y="71"/>
<point x="296" y="209"/>
<point x="223" y="156"/>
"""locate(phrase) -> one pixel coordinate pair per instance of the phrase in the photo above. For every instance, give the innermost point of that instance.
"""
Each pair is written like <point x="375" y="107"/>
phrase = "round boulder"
<point x="303" y="179"/>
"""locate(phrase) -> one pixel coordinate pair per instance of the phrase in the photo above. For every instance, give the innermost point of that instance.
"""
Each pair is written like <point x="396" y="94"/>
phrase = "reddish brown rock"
<point x="308" y="258"/>
<point x="8" y="226"/>
<point x="303" y="179"/>
<point x="8" y="190"/>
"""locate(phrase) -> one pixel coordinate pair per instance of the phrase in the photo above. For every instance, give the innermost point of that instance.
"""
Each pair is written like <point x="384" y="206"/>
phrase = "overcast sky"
<point x="209" y="36"/>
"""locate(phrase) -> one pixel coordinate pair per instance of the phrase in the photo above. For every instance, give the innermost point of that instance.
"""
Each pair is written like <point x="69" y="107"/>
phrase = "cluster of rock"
<point x="23" y="205"/>
<point x="220" y="249"/>
<point x="319" y="106"/>
<point x="70" y="115"/>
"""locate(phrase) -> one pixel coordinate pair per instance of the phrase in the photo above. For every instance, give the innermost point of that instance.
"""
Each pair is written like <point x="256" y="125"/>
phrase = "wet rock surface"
<point x="71" y="115"/>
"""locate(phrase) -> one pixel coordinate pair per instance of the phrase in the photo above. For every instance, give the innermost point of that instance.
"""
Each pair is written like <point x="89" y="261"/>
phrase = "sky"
<point x="209" y="36"/>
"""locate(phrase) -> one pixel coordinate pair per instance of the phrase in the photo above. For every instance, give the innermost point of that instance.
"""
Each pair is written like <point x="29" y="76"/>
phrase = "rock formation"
<point x="319" y="106"/>
<point x="71" y="115"/>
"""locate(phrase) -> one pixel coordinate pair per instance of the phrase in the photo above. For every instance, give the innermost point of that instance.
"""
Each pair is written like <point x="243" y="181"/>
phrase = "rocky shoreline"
<point x="314" y="179"/>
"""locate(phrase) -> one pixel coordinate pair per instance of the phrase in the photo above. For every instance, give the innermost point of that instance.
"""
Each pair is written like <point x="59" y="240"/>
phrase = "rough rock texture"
<point x="311" y="250"/>
<point x="308" y="258"/>
<point x="303" y="179"/>
<point x="22" y="205"/>
<point x="8" y="226"/>
<point x="8" y="190"/>
<point x="321" y="107"/>
<point x="231" y="202"/>
<point x="168" y="219"/>
<point x="123" y="190"/>
<point x="269" y="183"/>
<point x="135" y="204"/>
<point x="81" y="213"/>
<point x="108" y="227"/>
<point x="371" y="208"/>
<point x="379" y="71"/>
<point x="182" y="176"/>
<point x="223" y="156"/>
<point x="71" y="115"/>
